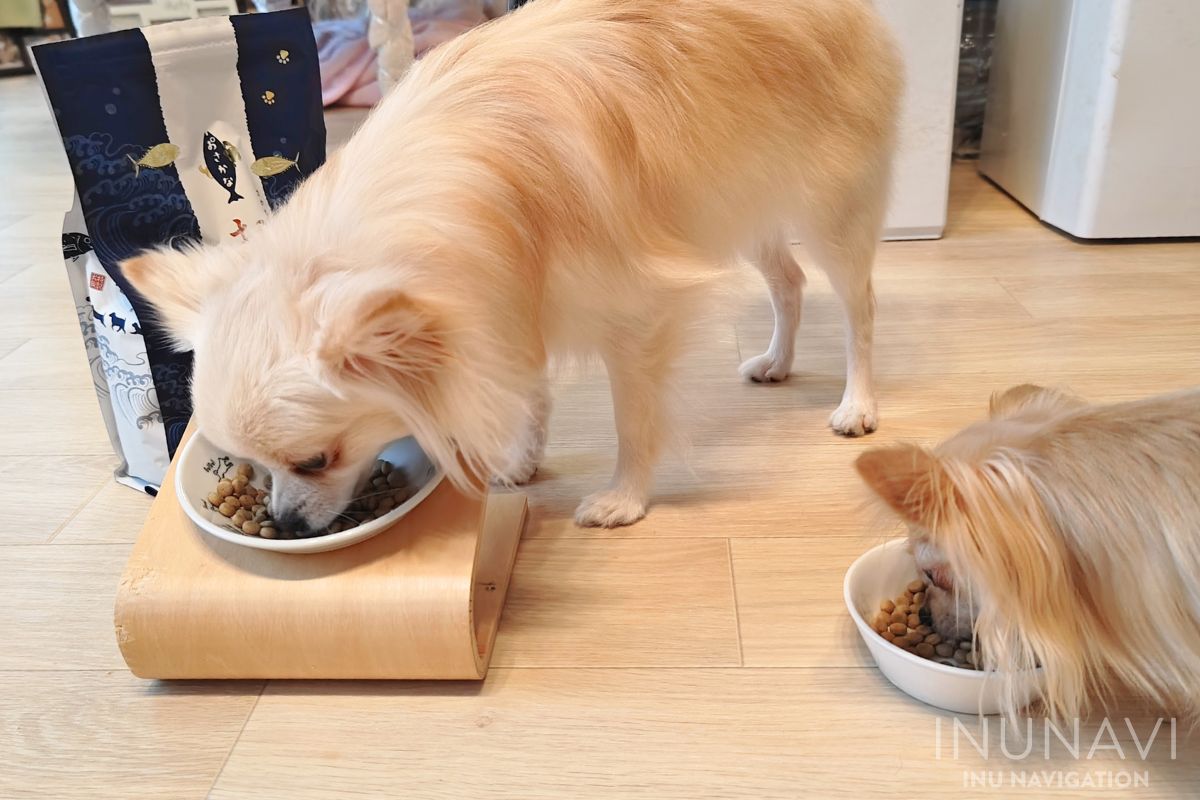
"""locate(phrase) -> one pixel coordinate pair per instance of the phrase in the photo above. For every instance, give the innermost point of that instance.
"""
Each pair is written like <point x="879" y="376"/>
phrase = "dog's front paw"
<point x="611" y="508"/>
<point x="765" y="368"/>
<point x="522" y="462"/>
<point x="518" y="475"/>
<point x="854" y="418"/>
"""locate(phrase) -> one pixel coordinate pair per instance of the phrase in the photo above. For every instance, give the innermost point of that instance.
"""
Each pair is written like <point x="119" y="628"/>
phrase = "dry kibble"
<point x="899" y="621"/>
<point x="248" y="507"/>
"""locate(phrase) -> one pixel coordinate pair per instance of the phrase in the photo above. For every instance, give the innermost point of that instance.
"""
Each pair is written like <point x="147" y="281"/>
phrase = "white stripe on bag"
<point x="199" y="91"/>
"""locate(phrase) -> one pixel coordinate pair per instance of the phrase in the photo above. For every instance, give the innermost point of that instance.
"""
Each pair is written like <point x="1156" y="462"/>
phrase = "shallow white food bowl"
<point x="880" y="574"/>
<point x="193" y="484"/>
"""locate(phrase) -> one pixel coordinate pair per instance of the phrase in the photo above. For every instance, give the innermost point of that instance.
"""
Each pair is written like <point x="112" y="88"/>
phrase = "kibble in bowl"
<point x="887" y="574"/>
<point x="230" y="498"/>
<point x="247" y="506"/>
<point x="906" y="622"/>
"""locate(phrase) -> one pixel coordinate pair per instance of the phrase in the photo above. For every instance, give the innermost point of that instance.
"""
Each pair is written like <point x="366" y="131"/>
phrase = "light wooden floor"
<point x="703" y="653"/>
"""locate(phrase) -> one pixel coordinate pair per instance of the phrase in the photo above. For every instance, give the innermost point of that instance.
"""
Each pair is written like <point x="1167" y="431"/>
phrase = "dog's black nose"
<point x="295" y="523"/>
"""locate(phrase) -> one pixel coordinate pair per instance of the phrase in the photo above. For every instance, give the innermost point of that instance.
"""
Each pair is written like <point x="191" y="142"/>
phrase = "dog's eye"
<point x="314" y="464"/>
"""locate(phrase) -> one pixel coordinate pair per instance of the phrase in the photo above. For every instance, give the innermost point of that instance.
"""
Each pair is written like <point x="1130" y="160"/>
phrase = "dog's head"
<point x="985" y="528"/>
<point x="309" y="371"/>
<point x="963" y="489"/>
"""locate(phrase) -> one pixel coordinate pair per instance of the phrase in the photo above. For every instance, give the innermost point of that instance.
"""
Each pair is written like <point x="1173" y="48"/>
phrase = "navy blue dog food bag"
<point x="186" y="131"/>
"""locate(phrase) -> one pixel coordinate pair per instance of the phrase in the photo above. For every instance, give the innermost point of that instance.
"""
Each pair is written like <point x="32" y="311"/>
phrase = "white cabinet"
<point x="1093" y="116"/>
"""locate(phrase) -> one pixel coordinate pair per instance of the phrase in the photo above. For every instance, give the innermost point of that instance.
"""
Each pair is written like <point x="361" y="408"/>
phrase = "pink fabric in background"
<point x="348" y="69"/>
<point x="347" y="63"/>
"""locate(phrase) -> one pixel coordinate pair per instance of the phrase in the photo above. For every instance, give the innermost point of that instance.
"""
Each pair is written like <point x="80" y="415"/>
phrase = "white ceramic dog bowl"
<point x="193" y="484"/>
<point x="881" y="573"/>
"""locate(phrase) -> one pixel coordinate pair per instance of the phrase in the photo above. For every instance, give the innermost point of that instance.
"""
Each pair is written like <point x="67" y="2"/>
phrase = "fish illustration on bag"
<point x="273" y="165"/>
<point x="76" y="244"/>
<point x="220" y="166"/>
<point x="157" y="157"/>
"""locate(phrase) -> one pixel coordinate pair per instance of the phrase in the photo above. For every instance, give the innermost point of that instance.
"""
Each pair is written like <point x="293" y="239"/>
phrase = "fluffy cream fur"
<point x="1069" y="536"/>
<point x="569" y="178"/>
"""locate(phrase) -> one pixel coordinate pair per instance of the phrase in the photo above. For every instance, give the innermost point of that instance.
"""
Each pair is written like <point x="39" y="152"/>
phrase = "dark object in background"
<point x="974" y="62"/>
<point x="15" y="42"/>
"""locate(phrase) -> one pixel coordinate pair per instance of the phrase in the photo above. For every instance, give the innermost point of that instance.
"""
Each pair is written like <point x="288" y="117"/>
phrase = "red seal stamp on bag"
<point x="97" y="281"/>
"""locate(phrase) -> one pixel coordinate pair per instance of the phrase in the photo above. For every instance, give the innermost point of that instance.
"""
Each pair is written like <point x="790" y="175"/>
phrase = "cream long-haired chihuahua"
<point x="1065" y="535"/>
<point x="571" y="177"/>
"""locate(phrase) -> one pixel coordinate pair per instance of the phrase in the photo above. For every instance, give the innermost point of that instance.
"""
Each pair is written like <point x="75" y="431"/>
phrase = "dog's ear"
<point x="385" y="336"/>
<point x="1030" y="398"/>
<point x="910" y="480"/>
<point x="175" y="283"/>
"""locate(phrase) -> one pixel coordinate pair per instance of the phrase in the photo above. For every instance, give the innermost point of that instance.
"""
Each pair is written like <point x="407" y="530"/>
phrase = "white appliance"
<point x="1093" y="115"/>
<point x="140" y="13"/>
<point x="928" y="33"/>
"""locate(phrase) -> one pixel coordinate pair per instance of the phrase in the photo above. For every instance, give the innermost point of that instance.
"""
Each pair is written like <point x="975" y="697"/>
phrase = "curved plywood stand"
<point x="422" y="600"/>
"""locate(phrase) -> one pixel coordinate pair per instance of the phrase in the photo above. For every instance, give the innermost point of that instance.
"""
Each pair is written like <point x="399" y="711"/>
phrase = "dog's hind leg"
<point x="842" y="240"/>
<point x="640" y="359"/>
<point x="785" y="280"/>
